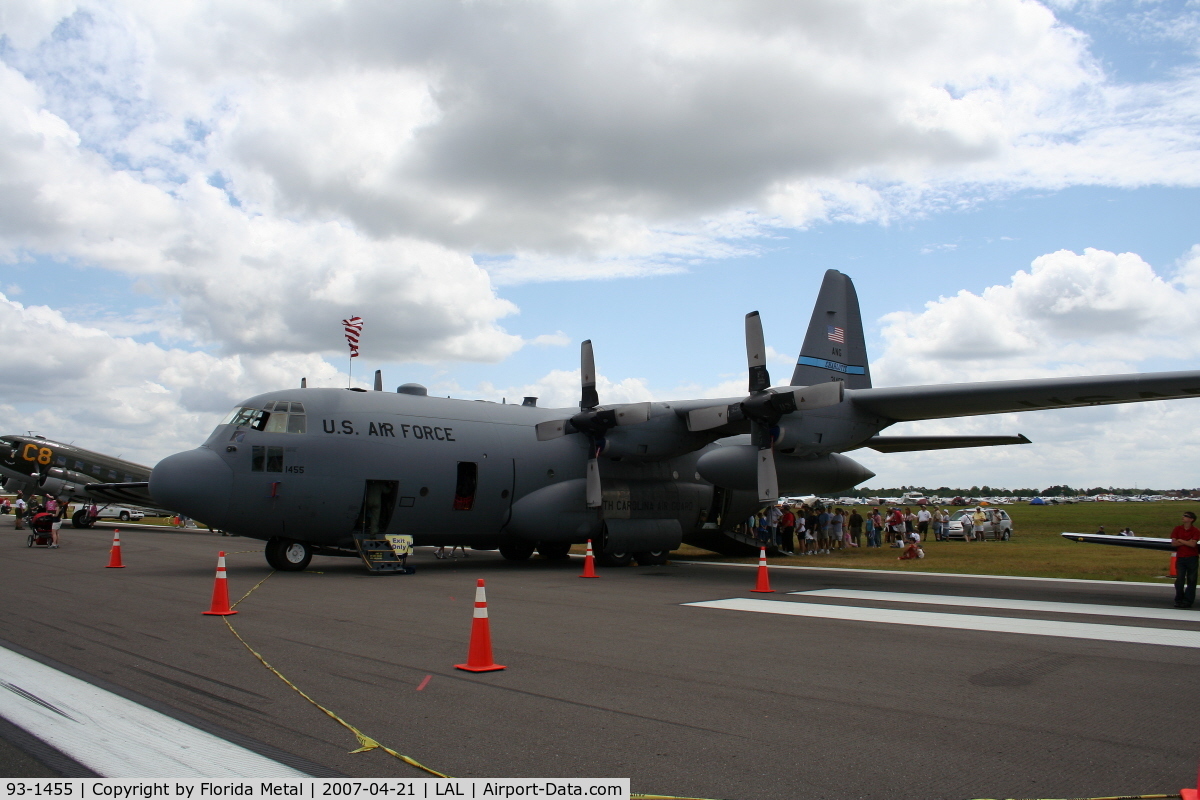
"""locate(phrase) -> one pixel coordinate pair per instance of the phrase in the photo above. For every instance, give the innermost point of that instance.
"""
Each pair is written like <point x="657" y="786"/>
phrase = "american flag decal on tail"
<point x="353" y="328"/>
<point x="837" y="335"/>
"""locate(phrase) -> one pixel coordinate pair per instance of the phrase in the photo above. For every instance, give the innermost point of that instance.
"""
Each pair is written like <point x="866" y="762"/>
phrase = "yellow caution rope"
<point x="252" y="588"/>
<point x="365" y="742"/>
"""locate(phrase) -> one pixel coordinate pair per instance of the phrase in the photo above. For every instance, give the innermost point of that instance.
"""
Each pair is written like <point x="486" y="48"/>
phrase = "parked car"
<point x="123" y="513"/>
<point x="1001" y="531"/>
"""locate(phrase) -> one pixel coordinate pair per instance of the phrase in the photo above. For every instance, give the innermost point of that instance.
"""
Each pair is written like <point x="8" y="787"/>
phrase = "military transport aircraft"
<point x="308" y="470"/>
<point x="35" y="465"/>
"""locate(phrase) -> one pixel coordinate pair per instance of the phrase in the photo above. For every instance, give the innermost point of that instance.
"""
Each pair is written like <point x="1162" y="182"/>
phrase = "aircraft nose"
<point x="196" y="483"/>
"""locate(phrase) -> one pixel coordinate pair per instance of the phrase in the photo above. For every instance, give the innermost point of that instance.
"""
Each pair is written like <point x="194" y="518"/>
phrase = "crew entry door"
<point x="379" y="501"/>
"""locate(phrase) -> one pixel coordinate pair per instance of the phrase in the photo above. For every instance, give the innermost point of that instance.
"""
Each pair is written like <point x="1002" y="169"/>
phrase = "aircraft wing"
<point x="134" y="494"/>
<point x="1144" y="542"/>
<point x="938" y="401"/>
<point x="908" y="444"/>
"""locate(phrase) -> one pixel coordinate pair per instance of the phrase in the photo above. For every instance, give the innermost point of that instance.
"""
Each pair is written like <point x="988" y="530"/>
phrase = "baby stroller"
<point x="40" y="526"/>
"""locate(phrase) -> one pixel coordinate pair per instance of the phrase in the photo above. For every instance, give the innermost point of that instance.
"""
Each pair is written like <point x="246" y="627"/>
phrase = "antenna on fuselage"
<point x="304" y="383"/>
<point x="379" y="380"/>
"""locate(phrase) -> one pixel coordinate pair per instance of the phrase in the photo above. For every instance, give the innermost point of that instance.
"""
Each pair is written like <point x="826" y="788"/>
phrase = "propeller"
<point x="765" y="406"/>
<point x="592" y="421"/>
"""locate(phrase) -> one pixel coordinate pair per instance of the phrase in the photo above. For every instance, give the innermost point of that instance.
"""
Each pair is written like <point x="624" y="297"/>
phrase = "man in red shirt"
<point x="1186" y="539"/>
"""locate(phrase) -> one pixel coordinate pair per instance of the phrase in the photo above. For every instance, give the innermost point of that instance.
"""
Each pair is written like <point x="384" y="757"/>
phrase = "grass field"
<point x="1036" y="549"/>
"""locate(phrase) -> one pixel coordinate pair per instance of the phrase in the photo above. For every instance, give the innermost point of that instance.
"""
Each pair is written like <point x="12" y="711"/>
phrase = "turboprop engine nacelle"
<point x="736" y="467"/>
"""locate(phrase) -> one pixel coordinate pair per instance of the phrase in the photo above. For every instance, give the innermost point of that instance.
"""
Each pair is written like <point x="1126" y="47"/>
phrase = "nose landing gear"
<point x="286" y="555"/>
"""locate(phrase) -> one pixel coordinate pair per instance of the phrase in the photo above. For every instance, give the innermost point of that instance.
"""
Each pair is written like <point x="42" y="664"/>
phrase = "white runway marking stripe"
<point x="1170" y="614"/>
<point x="115" y="737"/>
<point x="967" y="622"/>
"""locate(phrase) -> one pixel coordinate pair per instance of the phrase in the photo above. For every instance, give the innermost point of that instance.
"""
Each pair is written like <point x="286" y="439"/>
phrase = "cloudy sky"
<point x="194" y="194"/>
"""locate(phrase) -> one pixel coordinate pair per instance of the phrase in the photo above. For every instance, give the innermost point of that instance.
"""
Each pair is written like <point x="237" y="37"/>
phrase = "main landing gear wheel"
<point x="80" y="519"/>
<point x="517" y="551"/>
<point x="288" y="556"/>
<point x="614" y="559"/>
<point x="652" y="558"/>
<point x="555" y="551"/>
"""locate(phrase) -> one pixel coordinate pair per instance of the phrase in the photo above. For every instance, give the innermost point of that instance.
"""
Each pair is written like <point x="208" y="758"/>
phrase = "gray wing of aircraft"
<point x="909" y="444"/>
<point x="1144" y="542"/>
<point x="906" y="403"/>
<point x="134" y="494"/>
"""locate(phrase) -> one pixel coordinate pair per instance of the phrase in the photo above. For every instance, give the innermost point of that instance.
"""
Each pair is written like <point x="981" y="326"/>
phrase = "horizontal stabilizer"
<point x="1144" y="542"/>
<point x="909" y="444"/>
<point x="906" y="403"/>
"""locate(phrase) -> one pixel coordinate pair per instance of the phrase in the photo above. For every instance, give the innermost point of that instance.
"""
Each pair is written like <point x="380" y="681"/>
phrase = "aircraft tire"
<point x="79" y="519"/>
<point x="517" y="551"/>
<point x="286" y="555"/>
<point x="614" y="559"/>
<point x="652" y="558"/>
<point x="556" y="551"/>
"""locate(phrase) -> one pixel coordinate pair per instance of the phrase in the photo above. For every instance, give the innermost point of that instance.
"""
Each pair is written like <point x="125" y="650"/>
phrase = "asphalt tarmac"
<point x="615" y="677"/>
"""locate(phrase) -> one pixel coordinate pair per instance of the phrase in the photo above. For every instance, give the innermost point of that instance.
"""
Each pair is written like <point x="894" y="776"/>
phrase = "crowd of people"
<point x="817" y="529"/>
<point x="26" y="512"/>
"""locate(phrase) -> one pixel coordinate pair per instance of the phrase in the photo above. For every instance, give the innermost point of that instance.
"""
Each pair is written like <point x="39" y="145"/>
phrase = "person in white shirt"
<point x="923" y="518"/>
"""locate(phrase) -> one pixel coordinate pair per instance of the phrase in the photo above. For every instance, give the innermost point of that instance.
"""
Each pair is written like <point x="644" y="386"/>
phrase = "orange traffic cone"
<point x="589" y="563"/>
<point x="479" y="653"/>
<point x="1191" y="794"/>
<point x="114" y="553"/>
<point x="764" y="583"/>
<point x="220" y="598"/>
<point x="1173" y="573"/>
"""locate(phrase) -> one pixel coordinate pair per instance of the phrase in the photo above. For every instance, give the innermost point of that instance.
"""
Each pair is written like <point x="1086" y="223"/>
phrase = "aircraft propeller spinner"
<point x="592" y="421"/>
<point x="765" y="406"/>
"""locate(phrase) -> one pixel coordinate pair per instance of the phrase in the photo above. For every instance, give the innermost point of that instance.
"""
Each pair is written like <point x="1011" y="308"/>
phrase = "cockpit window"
<point x="247" y="417"/>
<point x="273" y="418"/>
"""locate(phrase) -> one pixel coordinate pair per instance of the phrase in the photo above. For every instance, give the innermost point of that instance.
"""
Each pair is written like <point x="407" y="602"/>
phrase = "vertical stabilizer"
<point x="834" y="347"/>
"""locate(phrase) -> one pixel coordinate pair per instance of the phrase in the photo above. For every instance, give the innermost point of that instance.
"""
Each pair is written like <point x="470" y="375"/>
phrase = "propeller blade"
<point x="702" y="419"/>
<point x="819" y="395"/>
<point x="595" y="494"/>
<point x="768" y="481"/>
<point x="756" y="353"/>
<point x="551" y="430"/>
<point x="633" y="413"/>
<point x="587" y="376"/>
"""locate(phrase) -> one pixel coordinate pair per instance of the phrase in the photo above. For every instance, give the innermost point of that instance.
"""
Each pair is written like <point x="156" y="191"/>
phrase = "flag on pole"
<point x="353" y="328"/>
